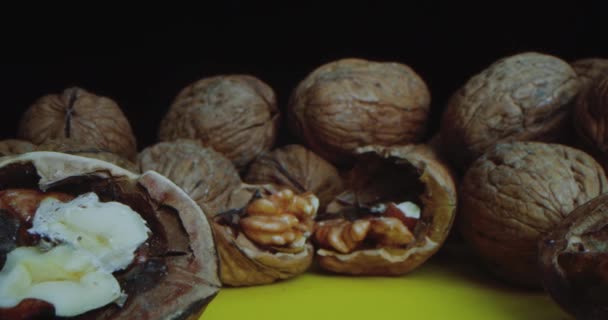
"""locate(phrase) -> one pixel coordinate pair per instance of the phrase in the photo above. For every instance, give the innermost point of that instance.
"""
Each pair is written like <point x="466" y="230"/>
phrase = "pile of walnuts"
<point x="521" y="145"/>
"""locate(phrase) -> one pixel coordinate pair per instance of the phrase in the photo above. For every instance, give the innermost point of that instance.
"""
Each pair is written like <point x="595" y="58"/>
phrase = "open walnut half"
<point x="266" y="237"/>
<point x="397" y="211"/>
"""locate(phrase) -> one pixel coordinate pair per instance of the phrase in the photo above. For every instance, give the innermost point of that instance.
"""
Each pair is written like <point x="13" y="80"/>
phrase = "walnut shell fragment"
<point x="175" y="274"/>
<point x="77" y="114"/>
<point x="524" y="97"/>
<point x="518" y="192"/>
<point x="573" y="259"/>
<point x="236" y="115"/>
<point x="351" y="103"/>
<point x="82" y="149"/>
<point x="299" y="169"/>
<point x="15" y="146"/>
<point x="204" y="174"/>
<point x="367" y="229"/>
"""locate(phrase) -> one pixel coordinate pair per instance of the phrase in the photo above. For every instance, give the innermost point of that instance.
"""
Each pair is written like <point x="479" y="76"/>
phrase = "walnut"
<point x="591" y="116"/>
<point x="397" y="211"/>
<point x="573" y="261"/>
<point x="236" y="115"/>
<point x="204" y="174"/>
<point x="523" y="97"/>
<point x="299" y="169"/>
<point x="590" y="70"/>
<point x="15" y="146"/>
<point x="77" y="114"/>
<point x="264" y="237"/>
<point x="82" y="149"/>
<point x="516" y="193"/>
<point x="351" y="103"/>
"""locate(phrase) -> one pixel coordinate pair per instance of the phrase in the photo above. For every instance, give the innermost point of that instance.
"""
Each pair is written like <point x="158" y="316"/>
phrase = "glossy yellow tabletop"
<point x="446" y="287"/>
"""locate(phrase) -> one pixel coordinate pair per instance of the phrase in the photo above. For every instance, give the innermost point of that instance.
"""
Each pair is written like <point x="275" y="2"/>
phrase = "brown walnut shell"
<point x="524" y="97"/>
<point x="79" y="148"/>
<point x="573" y="259"/>
<point x="299" y="169"/>
<point x="204" y="174"/>
<point x="77" y="114"/>
<point x="15" y="146"/>
<point x="591" y="116"/>
<point x="179" y="276"/>
<point x="242" y="262"/>
<point x="236" y="115"/>
<point x="351" y="103"/>
<point x="515" y="194"/>
<point x="589" y="70"/>
<point x="412" y="173"/>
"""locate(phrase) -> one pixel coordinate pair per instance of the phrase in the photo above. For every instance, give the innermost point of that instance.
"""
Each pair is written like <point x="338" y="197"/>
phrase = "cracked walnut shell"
<point x="77" y="114"/>
<point x="515" y="194"/>
<point x="236" y="115"/>
<point x="524" y="97"/>
<point x="351" y="103"/>
<point x="299" y="169"/>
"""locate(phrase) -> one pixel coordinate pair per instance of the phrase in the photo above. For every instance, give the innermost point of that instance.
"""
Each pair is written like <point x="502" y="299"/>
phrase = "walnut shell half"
<point x="236" y="115"/>
<point x="175" y="274"/>
<point x="77" y="114"/>
<point x="523" y="97"/>
<point x="351" y="103"/>
<point x="382" y="176"/>
<point x="516" y="193"/>
<point x="299" y="169"/>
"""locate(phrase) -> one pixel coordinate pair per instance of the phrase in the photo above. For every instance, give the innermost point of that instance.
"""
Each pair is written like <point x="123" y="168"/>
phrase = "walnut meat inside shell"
<point x="77" y="114"/>
<point x="299" y="169"/>
<point x="351" y="103"/>
<point x="523" y="97"/>
<point x="236" y="115"/>
<point x="516" y="193"/>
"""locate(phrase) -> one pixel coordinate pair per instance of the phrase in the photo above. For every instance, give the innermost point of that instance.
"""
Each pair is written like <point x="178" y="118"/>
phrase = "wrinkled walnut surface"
<point x="351" y="103"/>
<point x="15" y="146"/>
<point x="299" y="169"/>
<point x="591" y="115"/>
<point x="79" y="115"/>
<point x="523" y="97"/>
<point x="590" y="69"/>
<point x="516" y="193"/>
<point x="236" y="115"/>
<point x="204" y="174"/>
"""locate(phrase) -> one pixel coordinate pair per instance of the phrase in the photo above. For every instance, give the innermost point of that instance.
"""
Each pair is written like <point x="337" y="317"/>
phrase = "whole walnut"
<point x="591" y="116"/>
<point x="15" y="146"/>
<point x="236" y="115"/>
<point x="524" y="97"/>
<point x="590" y="70"/>
<point x="83" y="149"/>
<point x="204" y="174"/>
<point x="515" y="194"/>
<point x="351" y="103"/>
<point x="299" y="169"/>
<point x="79" y="115"/>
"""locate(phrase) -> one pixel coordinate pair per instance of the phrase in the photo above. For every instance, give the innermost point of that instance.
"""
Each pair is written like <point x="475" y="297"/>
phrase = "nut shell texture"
<point x="591" y="115"/>
<point x="352" y="103"/>
<point x="517" y="192"/>
<point x="589" y="70"/>
<point x="236" y="115"/>
<point x="15" y="146"/>
<point x="523" y="97"/>
<point x="77" y="114"/>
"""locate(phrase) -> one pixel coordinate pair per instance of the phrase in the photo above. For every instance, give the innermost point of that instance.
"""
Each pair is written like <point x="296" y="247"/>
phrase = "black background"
<point x="142" y="57"/>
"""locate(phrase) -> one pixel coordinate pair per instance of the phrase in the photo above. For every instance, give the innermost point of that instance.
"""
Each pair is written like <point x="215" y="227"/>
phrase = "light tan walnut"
<point x="15" y="146"/>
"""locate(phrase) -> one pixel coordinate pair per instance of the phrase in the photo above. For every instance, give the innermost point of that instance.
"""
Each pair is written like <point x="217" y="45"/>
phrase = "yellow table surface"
<point x="446" y="287"/>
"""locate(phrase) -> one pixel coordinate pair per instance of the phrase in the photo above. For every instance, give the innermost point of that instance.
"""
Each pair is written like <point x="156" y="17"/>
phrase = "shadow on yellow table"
<point x="446" y="287"/>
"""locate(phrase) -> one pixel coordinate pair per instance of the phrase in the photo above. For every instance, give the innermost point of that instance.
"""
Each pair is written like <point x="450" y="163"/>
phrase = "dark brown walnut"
<point x="518" y="192"/>
<point x="524" y="97"/>
<point x="83" y="149"/>
<point x="299" y="169"/>
<point x="574" y="260"/>
<point x="590" y="69"/>
<point x="397" y="211"/>
<point x="591" y="117"/>
<point x="204" y="174"/>
<point x="351" y="103"/>
<point x="264" y="237"/>
<point x="236" y="115"/>
<point x="15" y="146"/>
<point x="80" y="115"/>
<point x="175" y="272"/>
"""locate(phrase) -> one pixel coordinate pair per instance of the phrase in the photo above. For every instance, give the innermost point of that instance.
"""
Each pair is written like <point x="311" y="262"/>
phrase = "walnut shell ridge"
<point x="352" y="103"/>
